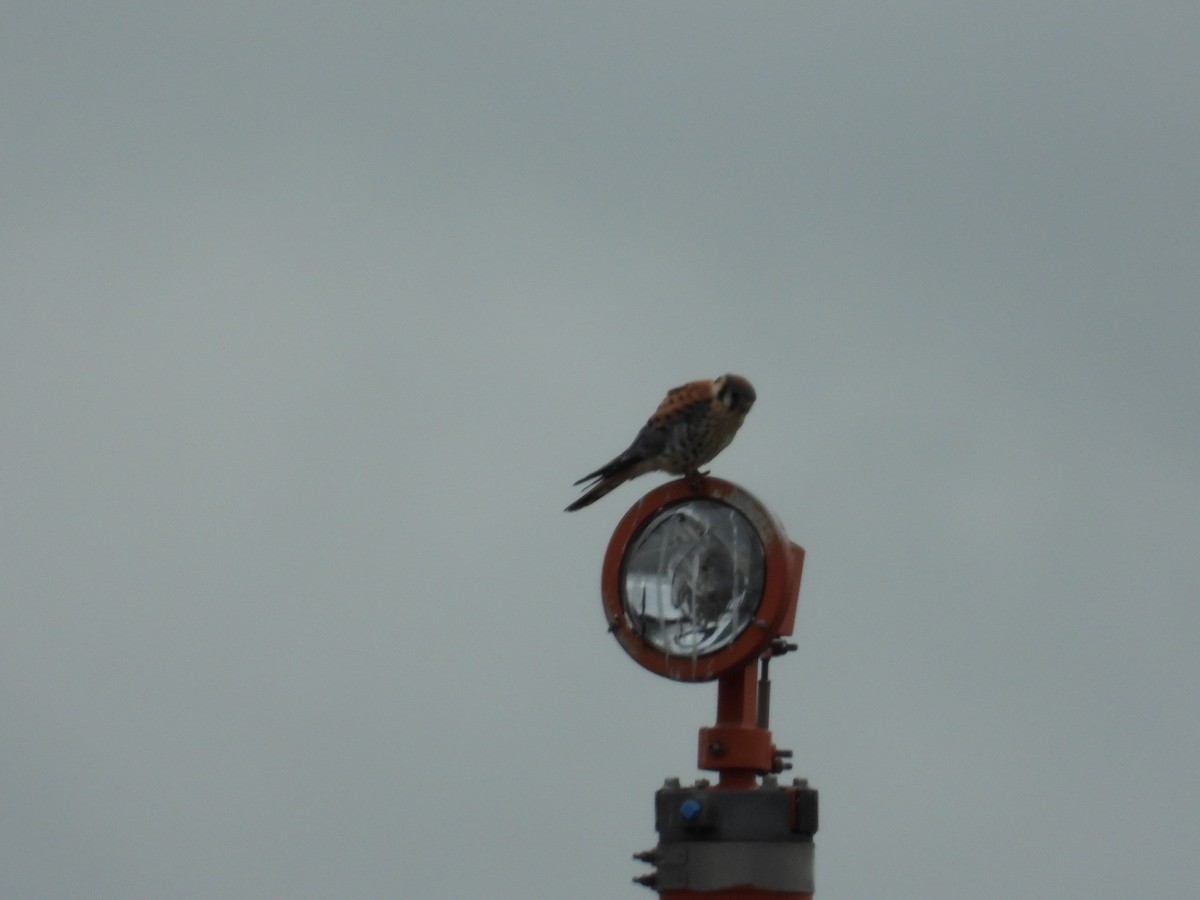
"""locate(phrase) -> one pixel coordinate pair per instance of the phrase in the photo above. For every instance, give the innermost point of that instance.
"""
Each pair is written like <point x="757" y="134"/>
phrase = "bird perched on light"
<point x="692" y="425"/>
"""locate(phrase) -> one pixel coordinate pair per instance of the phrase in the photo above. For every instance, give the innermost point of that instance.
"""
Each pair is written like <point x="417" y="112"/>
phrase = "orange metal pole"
<point x="737" y="698"/>
<point x="735" y="747"/>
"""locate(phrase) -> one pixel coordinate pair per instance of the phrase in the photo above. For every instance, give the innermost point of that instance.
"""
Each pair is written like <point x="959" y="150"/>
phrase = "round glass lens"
<point x="693" y="578"/>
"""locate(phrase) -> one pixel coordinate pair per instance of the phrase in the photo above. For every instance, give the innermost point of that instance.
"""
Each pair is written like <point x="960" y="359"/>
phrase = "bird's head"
<point x="736" y="393"/>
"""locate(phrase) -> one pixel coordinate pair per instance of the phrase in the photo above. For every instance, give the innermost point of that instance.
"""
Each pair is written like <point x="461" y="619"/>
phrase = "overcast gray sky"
<point x="312" y="312"/>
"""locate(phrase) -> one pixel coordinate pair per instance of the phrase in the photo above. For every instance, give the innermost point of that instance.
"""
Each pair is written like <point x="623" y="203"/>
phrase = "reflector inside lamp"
<point x="693" y="578"/>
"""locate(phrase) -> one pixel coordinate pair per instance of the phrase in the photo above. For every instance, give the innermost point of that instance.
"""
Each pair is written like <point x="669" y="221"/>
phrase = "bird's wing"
<point x="679" y="399"/>
<point x="649" y="442"/>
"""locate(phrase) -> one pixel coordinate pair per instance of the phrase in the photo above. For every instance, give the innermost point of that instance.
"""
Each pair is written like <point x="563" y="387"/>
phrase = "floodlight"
<point x="699" y="581"/>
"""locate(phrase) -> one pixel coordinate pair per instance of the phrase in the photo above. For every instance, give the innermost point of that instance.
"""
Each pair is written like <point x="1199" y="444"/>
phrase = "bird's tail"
<point x="601" y="488"/>
<point x="604" y="479"/>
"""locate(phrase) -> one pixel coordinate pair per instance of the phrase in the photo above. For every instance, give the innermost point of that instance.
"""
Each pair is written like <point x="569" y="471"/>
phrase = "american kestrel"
<point x="693" y="424"/>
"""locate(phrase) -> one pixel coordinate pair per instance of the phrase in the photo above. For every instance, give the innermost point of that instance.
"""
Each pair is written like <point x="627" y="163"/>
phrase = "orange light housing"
<point x="713" y="576"/>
